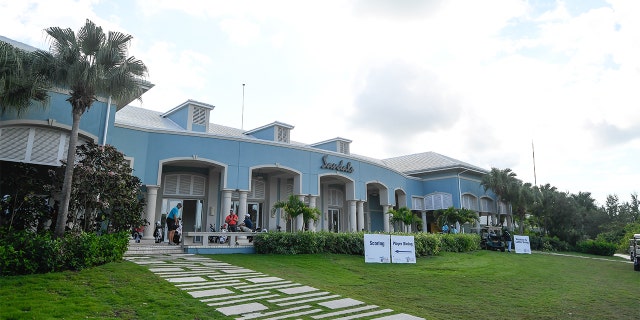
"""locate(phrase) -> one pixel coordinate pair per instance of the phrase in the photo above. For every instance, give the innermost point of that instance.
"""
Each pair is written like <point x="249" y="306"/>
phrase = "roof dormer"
<point x="338" y="144"/>
<point x="191" y="115"/>
<point x="276" y="131"/>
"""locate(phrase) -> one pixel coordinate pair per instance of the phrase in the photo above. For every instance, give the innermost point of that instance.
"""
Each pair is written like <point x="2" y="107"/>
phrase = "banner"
<point x="377" y="248"/>
<point x="522" y="244"/>
<point x="403" y="249"/>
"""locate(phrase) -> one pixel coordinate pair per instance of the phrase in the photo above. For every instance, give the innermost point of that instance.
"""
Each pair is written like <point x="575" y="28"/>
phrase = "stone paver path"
<point x="246" y="294"/>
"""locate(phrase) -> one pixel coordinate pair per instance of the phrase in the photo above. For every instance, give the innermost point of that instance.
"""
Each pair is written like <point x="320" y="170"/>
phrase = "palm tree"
<point x="499" y="181"/>
<point x="295" y="207"/>
<point x="405" y="216"/>
<point x="88" y="64"/>
<point x="452" y="215"/>
<point x="521" y="196"/>
<point x="19" y="84"/>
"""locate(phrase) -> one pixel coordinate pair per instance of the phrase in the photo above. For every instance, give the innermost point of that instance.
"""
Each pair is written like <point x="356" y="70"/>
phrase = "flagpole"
<point x="242" y="125"/>
<point x="533" y="150"/>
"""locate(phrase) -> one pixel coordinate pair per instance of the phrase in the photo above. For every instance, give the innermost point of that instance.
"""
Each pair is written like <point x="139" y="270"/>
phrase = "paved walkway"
<point x="246" y="294"/>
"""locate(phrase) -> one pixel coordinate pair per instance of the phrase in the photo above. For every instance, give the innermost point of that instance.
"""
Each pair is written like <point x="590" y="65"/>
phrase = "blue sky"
<point x="475" y="80"/>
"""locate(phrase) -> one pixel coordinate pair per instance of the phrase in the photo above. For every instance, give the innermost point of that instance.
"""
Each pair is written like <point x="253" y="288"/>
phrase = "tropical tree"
<point x="295" y="207"/>
<point x="452" y="215"/>
<point x="543" y="205"/>
<point x="106" y="197"/>
<point x="499" y="181"/>
<point x="19" y="83"/>
<point x="88" y="64"/>
<point x="509" y="189"/>
<point x="521" y="197"/>
<point x="405" y="216"/>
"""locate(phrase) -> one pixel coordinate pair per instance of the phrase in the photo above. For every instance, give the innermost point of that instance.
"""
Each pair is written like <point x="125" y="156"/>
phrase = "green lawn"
<point x="478" y="285"/>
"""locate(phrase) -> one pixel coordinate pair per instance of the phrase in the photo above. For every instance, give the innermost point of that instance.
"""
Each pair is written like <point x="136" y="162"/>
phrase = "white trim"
<point x="44" y="123"/>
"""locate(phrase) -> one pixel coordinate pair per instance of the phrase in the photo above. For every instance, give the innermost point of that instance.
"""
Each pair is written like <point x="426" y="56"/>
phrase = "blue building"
<point x="211" y="169"/>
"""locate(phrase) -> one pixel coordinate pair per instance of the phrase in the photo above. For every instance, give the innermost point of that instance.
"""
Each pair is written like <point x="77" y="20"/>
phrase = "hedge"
<point x="426" y="244"/>
<point x="24" y="252"/>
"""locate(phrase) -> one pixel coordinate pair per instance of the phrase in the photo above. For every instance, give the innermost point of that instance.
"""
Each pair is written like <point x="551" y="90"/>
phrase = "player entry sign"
<point x="403" y="249"/>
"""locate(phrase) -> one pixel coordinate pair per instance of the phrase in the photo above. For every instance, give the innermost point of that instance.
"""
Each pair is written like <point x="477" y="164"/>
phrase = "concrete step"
<point x="150" y="247"/>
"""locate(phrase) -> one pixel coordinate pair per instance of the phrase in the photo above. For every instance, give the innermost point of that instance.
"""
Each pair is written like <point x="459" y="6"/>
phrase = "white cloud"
<point x="478" y="81"/>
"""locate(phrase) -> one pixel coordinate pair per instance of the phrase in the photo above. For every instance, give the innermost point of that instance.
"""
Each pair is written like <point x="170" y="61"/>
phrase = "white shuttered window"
<point x="438" y="200"/>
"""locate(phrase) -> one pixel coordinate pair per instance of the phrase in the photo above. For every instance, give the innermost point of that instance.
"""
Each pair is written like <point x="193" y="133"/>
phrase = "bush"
<point x="426" y="244"/>
<point x="601" y="248"/>
<point x="545" y="243"/>
<point x="25" y="252"/>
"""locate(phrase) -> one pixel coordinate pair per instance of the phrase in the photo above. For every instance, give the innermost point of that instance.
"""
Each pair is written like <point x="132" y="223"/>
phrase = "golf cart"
<point x="491" y="238"/>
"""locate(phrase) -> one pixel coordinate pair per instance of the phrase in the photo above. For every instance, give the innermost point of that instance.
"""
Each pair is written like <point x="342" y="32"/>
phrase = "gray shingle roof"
<point x="18" y="44"/>
<point x="145" y="118"/>
<point x="425" y="162"/>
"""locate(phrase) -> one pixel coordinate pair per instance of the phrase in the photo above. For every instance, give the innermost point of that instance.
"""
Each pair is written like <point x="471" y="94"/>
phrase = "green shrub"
<point x="544" y="243"/>
<point x="25" y="252"/>
<point x="601" y="248"/>
<point x="426" y="244"/>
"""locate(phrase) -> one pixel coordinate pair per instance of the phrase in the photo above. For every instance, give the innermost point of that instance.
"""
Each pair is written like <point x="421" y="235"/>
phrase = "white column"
<point x="352" y="216"/>
<point x="312" y="204"/>
<point x="424" y="220"/>
<point x="226" y="206"/>
<point x="385" y="217"/>
<point x="150" y="213"/>
<point x="299" y="223"/>
<point x="360" y="214"/>
<point x="243" y="206"/>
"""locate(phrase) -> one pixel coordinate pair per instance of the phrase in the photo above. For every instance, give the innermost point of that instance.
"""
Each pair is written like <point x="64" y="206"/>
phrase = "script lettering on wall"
<point x="336" y="166"/>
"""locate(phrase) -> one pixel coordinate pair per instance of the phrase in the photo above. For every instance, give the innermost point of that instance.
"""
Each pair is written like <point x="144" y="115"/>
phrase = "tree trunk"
<point x="61" y="222"/>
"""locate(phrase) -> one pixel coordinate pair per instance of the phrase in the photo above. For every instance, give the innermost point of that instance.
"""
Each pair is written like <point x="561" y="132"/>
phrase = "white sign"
<point x="377" y="248"/>
<point x="521" y="244"/>
<point x="403" y="249"/>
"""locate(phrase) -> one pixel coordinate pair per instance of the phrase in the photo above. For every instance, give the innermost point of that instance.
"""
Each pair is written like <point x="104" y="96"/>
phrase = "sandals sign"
<point x="336" y="166"/>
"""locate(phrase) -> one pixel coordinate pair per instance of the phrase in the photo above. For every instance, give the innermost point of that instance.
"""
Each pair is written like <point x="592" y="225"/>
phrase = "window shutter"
<point x="45" y="146"/>
<point x="418" y="203"/>
<point x="171" y="185"/>
<point x="258" y="189"/>
<point x="198" y="186"/>
<point x="14" y="142"/>
<point x="429" y="203"/>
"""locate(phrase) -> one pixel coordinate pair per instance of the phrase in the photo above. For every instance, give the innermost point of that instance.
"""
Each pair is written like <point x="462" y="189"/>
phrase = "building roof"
<point x="427" y="162"/>
<point x="18" y="44"/>
<point x="145" y="118"/>
<point x="409" y="164"/>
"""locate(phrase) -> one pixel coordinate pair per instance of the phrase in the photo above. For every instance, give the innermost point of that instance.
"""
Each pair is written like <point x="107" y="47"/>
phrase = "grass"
<point x="478" y="285"/>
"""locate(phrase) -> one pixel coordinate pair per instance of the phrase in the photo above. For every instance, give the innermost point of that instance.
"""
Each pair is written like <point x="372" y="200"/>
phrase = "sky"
<point x="484" y="82"/>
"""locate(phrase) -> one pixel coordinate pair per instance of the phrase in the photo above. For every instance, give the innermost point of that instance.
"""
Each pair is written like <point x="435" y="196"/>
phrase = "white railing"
<point x="233" y="238"/>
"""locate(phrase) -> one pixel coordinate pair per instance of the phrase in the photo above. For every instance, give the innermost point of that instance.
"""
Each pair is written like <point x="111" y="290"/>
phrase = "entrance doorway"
<point x="191" y="213"/>
<point x="254" y="209"/>
<point x="334" y="220"/>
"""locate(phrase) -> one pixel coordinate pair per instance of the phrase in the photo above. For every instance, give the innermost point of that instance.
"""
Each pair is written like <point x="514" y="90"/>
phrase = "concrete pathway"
<point x="246" y="294"/>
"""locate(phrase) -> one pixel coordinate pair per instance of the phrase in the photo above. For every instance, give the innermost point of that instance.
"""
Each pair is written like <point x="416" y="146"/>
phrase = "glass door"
<point x="254" y="209"/>
<point x="334" y="220"/>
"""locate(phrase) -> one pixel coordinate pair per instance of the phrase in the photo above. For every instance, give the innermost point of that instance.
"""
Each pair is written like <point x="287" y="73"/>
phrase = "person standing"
<point x="232" y="221"/>
<point x="506" y="236"/>
<point x="445" y="228"/>
<point x="172" y="221"/>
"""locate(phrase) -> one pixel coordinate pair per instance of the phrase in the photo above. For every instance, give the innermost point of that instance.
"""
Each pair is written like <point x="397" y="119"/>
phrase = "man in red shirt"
<point x="232" y="221"/>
